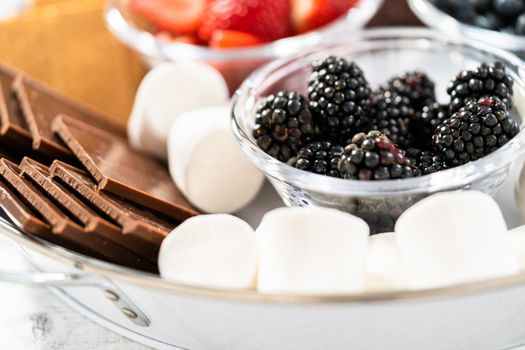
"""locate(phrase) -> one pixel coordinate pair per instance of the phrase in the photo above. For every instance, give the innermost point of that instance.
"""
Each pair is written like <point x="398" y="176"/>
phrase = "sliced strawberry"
<point x="311" y="14"/>
<point x="176" y="16"/>
<point x="229" y="39"/>
<point x="266" y="19"/>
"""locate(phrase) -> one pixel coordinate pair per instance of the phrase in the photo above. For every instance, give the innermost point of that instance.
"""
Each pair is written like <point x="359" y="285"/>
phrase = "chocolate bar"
<point x="78" y="210"/>
<point x="62" y="225"/>
<point x="29" y="223"/>
<point x="134" y="221"/>
<point x="40" y="105"/>
<point x="13" y="128"/>
<point x="120" y="170"/>
<point x="22" y="216"/>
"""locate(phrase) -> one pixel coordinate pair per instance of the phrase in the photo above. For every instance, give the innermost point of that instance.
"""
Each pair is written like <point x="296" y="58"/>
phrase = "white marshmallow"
<point x="208" y="165"/>
<point x="517" y="239"/>
<point x="385" y="269"/>
<point x="166" y="92"/>
<point x="216" y="251"/>
<point x="454" y="237"/>
<point x="311" y="251"/>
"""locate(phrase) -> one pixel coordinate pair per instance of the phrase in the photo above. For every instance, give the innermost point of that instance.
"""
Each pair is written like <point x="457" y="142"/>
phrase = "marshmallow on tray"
<point x="166" y="92"/>
<point x="385" y="269"/>
<point x="208" y="165"/>
<point x="217" y="251"/>
<point x="311" y="251"/>
<point x="452" y="238"/>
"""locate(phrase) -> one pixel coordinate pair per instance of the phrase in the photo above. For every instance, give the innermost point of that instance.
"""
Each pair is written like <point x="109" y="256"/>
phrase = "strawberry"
<point x="176" y="16"/>
<point x="266" y="19"/>
<point x="311" y="14"/>
<point x="228" y="39"/>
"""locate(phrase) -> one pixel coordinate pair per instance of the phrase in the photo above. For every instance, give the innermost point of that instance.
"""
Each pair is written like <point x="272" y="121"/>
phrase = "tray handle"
<point x="69" y="279"/>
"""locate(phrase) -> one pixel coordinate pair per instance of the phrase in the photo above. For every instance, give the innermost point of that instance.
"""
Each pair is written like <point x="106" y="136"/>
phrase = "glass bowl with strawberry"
<point x="235" y="36"/>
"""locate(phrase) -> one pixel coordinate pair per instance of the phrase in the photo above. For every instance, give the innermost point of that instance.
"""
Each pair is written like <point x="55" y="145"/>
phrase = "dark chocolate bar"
<point x="134" y="221"/>
<point x="120" y="170"/>
<point x="40" y="105"/>
<point x="62" y="225"/>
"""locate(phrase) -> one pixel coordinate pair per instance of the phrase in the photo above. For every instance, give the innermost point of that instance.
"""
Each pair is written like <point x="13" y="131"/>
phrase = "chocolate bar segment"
<point x="13" y="128"/>
<point x="134" y="221"/>
<point x="120" y="170"/>
<point x="28" y="222"/>
<point x="61" y="224"/>
<point x="22" y="216"/>
<point x="88" y="218"/>
<point x="40" y="105"/>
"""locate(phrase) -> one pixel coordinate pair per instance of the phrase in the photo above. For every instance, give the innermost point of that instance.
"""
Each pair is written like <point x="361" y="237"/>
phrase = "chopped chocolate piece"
<point x="120" y="170"/>
<point x="137" y="222"/>
<point x="88" y="219"/>
<point x="40" y="105"/>
<point x="62" y="225"/>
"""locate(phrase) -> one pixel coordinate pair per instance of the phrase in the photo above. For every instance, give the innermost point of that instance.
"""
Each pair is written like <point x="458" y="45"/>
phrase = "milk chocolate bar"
<point x="13" y="128"/>
<point x="62" y="225"/>
<point x="134" y="221"/>
<point x="40" y="105"/>
<point x="78" y="210"/>
<point x="22" y="216"/>
<point x="28" y="221"/>
<point x="120" y="170"/>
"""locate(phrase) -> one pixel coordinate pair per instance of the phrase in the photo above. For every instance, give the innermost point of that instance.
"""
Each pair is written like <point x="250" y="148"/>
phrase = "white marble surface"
<point x="34" y="319"/>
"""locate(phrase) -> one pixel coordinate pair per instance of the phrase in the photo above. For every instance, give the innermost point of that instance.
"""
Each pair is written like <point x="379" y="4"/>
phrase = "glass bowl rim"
<point x="433" y="17"/>
<point x="146" y="43"/>
<point x="453" y="177"/>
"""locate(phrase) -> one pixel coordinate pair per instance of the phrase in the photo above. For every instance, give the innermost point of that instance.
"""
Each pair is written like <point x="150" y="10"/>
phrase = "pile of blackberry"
<point x="500" y="15"/>
<point x="344" y="129"/>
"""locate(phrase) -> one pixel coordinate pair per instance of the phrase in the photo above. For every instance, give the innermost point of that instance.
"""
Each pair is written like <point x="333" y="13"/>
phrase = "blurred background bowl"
<point x="382" y="54"/>
<point x="234" y="64"/>
<point x="437" y="19"/>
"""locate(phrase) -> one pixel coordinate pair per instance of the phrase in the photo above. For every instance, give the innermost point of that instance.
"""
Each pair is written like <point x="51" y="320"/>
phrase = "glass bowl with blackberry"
<point x="383" y="119"/>
<point x="235" y="36"/>
<point x="500" y="23"/>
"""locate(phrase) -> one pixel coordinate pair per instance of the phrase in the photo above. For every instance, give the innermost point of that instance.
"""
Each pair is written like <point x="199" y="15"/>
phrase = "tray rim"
<point x="98" y="268"/>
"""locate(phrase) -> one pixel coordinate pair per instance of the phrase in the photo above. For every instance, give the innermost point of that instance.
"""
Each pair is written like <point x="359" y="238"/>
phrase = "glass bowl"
<point x="234" y="64"/>
<point x="433" y="17"/>
<point x="382" y="53"/>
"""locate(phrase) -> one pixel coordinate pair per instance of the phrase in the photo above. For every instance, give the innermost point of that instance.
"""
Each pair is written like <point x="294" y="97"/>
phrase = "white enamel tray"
<point x="488" y="315"/>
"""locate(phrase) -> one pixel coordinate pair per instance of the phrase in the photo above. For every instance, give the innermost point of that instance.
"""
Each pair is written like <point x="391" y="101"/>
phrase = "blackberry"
<point x="485" y="81"/>
<point x="462" y="10"/>
<point x="417" y="86"/>
<point x="425" y="161"/>
<point x="489" y="21"/>
<point x="339" y="97"/>
<point x="391" y="115"/>
<point x="476" y="130"/>
<point x="519" y="27"/>
<point x="374" y="156"/>
<point x="509" y="8"/>
<point x="283" y="124"/>
<point x="320" y="158"/>
<point x="425" y="123"/>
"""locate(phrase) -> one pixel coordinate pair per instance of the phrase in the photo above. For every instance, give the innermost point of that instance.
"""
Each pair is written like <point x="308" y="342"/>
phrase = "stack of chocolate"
<point x="68" y="176"/>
